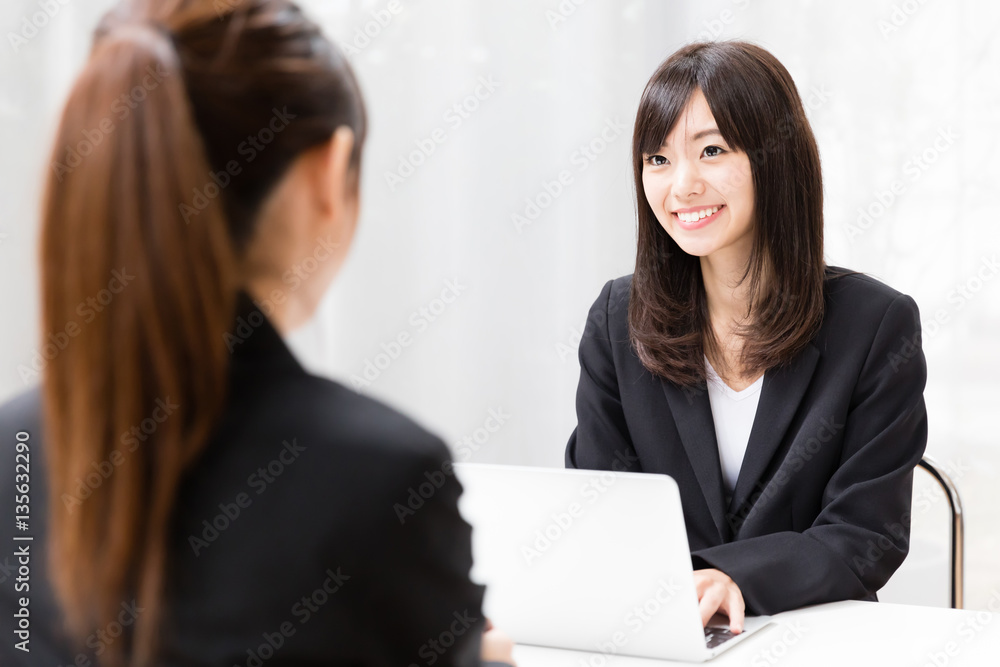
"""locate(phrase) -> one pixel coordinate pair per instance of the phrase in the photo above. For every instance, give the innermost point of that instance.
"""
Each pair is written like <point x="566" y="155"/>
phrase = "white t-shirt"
<point x="733" y="413"/>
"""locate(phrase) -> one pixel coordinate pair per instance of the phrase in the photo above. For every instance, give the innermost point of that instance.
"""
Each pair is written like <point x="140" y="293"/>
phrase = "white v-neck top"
<point x="733" y="413"/>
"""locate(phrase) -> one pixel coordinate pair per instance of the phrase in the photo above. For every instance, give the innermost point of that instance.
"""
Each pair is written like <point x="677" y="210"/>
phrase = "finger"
<point x="736" y="611"/>
<point x="701" y="583"/>
<point x="709" y="604"/>
<point x="489" y="625"/>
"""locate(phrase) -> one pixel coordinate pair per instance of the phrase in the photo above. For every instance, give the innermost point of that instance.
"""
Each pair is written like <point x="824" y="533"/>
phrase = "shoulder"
<point x="369" y="422"/>
<point x="619" y="289"/>
<point x="339" y="426"/>
<point x="842" y="284"/>
<point x="357" y="466"/>
<point x="869" y="325"/>
<point x="861" y="301"/>
<point x="613" y="299"/>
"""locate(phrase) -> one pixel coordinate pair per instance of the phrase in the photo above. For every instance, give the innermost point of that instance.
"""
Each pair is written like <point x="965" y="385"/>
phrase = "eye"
<point x="656" y="160"/>
<point x="720" y="151"/>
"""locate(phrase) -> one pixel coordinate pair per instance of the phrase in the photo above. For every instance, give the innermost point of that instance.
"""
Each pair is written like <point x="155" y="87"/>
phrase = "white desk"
<point x="841" y="634"/>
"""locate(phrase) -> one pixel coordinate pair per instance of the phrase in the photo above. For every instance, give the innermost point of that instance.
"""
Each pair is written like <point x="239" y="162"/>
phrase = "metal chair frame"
<point x="957" y="529"/>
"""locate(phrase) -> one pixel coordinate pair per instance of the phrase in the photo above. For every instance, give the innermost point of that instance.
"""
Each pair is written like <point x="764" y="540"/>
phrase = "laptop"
<point x="588" y="560"/>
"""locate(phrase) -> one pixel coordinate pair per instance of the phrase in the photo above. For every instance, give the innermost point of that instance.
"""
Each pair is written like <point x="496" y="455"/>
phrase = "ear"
<point x="335" y="185"/>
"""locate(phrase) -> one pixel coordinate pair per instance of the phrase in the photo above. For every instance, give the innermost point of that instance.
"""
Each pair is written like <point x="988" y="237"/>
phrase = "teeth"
<point x="695" y="216"/>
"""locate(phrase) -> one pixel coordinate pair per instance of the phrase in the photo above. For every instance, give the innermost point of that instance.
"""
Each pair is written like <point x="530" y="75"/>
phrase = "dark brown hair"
<point x="758" y="111"/>
<point x="144" y="191"/>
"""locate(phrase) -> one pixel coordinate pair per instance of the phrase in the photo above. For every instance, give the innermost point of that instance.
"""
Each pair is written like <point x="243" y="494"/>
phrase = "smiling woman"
<point x="724" y="359"/>
<point x="734" y="135"/>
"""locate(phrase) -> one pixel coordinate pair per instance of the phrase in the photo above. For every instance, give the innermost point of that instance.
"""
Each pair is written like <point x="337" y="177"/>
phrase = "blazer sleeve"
<point x="424" y="598"/>
<point x="601" y="440"/>
<point x="861" y="534"/>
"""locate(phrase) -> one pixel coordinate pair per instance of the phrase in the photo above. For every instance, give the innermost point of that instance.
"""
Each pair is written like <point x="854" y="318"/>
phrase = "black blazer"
<point x="317" y="563"/>
<point x="821" y="507"/>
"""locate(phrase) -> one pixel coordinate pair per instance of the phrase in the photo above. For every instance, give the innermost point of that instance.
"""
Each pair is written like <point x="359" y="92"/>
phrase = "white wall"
<point x="886" y="82"/>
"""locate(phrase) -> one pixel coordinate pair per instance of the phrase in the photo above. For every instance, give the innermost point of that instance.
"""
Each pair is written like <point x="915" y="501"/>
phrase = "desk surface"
<point x="841" y="633"/>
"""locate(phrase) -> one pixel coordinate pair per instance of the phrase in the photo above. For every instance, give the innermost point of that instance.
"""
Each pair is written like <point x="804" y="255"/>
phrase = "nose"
<point x="687" y="180"/>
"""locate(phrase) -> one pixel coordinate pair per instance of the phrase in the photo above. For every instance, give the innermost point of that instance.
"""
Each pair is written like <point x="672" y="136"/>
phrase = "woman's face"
<point x="699" y="188"/>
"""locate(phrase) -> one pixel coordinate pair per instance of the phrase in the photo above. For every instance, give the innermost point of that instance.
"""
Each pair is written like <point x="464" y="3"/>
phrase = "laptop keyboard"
<point x="716" y="636"/>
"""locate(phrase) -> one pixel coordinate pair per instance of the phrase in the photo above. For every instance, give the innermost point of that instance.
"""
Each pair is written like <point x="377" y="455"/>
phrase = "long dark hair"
<point x="148" y="208"/>
<point x="758" y="110"/>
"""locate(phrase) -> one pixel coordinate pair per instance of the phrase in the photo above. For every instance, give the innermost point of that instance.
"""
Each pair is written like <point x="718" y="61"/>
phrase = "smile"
<point x="698" y="218"/>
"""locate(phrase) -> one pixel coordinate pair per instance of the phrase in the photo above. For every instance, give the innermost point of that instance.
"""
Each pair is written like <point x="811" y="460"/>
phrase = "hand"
<point x="496" y="645"/>
<point x="717" y="592"/>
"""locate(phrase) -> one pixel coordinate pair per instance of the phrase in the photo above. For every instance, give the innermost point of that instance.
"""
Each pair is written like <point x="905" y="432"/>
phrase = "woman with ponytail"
<point x="193" y="496"/>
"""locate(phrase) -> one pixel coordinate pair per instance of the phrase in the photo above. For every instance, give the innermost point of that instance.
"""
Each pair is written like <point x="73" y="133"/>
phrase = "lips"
<point x="697" y="218"/>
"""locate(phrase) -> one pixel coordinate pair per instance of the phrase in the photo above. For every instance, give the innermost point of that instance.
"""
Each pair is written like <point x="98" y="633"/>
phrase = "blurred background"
<point x="497" y="200"/>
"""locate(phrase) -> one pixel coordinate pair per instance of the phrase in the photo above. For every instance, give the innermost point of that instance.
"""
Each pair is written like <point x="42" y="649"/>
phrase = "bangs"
<point x="661" y="106"/>
<point x="731" y="95"/>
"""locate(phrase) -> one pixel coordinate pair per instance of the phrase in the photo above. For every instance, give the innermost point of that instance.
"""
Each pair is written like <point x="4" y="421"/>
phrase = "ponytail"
<point x="138" y="389"/>
<point x="145" y="287"/>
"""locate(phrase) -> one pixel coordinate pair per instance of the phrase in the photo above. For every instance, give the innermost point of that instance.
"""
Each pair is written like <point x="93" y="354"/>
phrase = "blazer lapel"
<point x="779" y="400"/>
<point x="692" y="414"/>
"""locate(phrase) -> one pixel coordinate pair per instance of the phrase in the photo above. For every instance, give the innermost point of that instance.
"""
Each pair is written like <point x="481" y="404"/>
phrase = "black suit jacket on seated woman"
<point x="288" y="547"/>
<point x="821" y="508"/>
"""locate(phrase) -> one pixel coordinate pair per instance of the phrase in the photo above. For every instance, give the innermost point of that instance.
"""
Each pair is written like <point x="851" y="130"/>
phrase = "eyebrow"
<point x="701" y="134"/>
